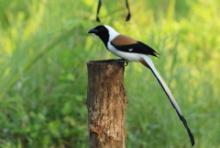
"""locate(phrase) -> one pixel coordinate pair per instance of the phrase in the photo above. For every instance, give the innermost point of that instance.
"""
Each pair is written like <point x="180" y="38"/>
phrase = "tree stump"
<point x="106" y="103"/>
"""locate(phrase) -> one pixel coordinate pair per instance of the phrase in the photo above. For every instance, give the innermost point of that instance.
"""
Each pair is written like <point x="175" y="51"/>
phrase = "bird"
<point x="130" y="49"/>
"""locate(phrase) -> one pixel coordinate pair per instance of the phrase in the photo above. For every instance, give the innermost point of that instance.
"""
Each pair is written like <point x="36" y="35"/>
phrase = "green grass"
<point x="44" y="48"/>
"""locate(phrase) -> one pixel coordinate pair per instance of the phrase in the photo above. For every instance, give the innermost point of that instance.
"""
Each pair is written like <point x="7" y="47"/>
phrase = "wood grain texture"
<point x="106" y="103"/>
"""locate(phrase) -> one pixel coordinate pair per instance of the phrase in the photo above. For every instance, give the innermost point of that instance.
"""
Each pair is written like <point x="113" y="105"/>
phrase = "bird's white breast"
<point x="125" y="55"/>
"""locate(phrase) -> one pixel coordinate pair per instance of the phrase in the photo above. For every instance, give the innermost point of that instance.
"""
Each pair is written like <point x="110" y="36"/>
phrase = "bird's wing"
<point x="127" y="44"/>
<point x="121" y="40"/>
<point x="148" y="62"/>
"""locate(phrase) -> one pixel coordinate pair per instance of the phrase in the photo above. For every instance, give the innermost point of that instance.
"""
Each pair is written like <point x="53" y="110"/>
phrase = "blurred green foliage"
<point x="44" y="48"/>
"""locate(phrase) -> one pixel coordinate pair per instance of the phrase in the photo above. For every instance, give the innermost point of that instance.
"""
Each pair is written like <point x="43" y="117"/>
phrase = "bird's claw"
<point x="125" y="62"/>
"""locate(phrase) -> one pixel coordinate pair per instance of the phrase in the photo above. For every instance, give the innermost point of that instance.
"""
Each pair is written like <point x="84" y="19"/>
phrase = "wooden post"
<point x="106" y="103"/>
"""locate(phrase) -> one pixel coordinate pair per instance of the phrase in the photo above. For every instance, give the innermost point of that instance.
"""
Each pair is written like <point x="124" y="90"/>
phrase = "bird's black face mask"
<point x="102" y="32"/>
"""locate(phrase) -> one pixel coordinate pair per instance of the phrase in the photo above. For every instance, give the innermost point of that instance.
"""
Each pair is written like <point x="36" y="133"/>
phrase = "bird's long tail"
<point x="149" y="63"/>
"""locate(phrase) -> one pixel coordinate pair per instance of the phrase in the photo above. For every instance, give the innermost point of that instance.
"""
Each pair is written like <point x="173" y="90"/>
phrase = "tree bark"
<point x="106" y="103"/>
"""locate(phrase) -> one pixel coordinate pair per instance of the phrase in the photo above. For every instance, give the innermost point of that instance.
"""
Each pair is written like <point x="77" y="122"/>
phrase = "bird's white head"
<point x="105" y="33"/>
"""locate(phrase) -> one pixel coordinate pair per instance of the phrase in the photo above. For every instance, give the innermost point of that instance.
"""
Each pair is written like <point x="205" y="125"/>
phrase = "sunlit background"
<point x="44" y="48"/>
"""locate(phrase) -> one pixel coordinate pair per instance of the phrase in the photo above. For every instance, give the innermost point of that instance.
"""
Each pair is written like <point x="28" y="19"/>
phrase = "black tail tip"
<point x="191" y="137"/>
<point x="192" y="140"/>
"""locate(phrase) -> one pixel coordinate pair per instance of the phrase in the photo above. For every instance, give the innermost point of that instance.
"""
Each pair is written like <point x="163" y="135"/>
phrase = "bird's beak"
<point x="93" y="31"/>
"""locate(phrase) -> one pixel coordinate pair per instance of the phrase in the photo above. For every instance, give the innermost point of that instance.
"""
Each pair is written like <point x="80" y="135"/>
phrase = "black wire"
<point x="100" y="5"/>
<point x="129" y="12"/>
<point x="98" y="9"/>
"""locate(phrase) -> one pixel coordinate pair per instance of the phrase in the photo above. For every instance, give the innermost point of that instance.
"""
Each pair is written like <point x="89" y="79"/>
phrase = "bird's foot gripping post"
<point x="123" y="61"/>
<point x="106" y="103"/>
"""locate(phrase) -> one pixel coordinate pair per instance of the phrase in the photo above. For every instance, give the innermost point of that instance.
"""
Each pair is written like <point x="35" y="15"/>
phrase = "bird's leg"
<point x="98" y="9"/>
<point x="128" y="8"/>
<point x="125" y="61"/>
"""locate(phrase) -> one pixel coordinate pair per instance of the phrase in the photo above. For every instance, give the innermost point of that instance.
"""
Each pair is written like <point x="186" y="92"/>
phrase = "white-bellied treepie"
<point x="133" y="50"/>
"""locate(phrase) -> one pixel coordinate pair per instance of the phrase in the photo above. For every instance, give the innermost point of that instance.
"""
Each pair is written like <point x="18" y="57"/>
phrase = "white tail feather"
<point x="172" y="100"/>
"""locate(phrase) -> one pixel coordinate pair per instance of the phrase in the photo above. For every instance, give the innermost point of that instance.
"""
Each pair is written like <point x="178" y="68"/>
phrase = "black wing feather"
<point x="138" y="47"/>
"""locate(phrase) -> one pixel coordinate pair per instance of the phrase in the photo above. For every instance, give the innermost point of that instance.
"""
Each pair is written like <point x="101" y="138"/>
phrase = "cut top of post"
<point x="117" y="61"/>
